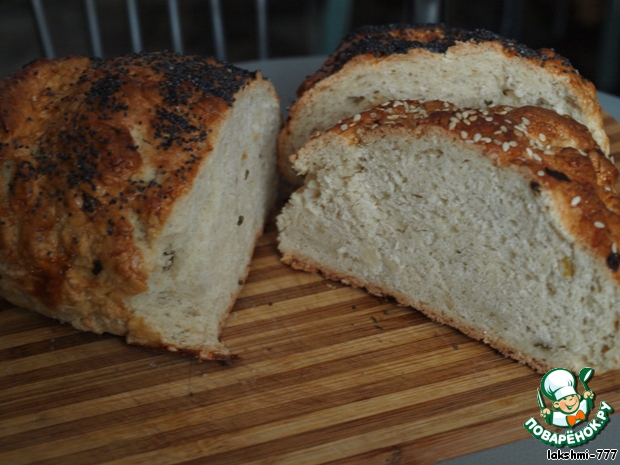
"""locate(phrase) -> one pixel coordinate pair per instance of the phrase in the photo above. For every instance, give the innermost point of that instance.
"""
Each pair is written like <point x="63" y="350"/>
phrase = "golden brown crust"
<point x="304" y="264"/>
<point x="555" y="152"/>
<point x="94" y="156"/>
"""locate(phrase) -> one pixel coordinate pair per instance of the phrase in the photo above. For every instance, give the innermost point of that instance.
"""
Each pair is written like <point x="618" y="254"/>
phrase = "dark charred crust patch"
<point x="613" y="261"/>
<point x="97" y="267"/>
<point x="89" y="204"/>
<point x="189" y="78"/>
<point x="390" y="39"/>
<point x="557" y="175"/>
<point x="535" y="187"/>
<point x="103" y="94"/>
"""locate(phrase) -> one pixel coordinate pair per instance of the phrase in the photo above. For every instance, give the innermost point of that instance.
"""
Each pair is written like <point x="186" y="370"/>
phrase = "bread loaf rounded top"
<point x="94" y="155"/>
<point x="372" y="64"/>
<point x="556" y="153"/>
<point x="385" y="40"/>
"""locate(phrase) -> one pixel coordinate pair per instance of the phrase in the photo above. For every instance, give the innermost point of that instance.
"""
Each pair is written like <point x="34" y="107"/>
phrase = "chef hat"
<point x="558" y="383"/>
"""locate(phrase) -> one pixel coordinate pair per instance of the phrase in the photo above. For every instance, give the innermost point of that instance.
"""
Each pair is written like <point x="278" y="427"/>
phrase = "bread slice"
<point x="502" y="222"/>
<point x="472" y="69"/>
<point x="133" y="191"/>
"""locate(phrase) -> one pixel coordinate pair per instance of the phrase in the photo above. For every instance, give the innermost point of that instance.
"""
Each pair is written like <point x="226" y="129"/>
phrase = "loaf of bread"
<point x="502" y="222"/>
<point x="472" y="69"/>
<point x="132" y="193"/>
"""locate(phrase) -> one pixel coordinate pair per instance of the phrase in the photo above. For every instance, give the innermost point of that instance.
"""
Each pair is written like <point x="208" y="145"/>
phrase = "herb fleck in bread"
<point x="473" y="69"/>
<point x="133" y="191"/>
<point x="501" y="222"/>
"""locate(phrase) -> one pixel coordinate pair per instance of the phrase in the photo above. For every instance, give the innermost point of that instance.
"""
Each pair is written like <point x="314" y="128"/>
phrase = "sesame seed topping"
<point x="505" y="146"/>
<point x="542" y="137"/>
<point x="398" y="103"/>
<point x="452" y="125"/>
<point x="497" y="142"/>
<point x="582" y="152"/>
<point x="357" y="117"/>
<point x="614" y="247"/>
<point x="385" y="104"/>
<point x="477" y="137"/>
<point x="503" y="128"/>
<point x="599" y="225"/>
<point x="486" y="139"/>
<point x="344" y="127"/>
<point x="541" y="173"/>
<point x="497" y="132"/>
<point x="525" y="120"/>
<point x="463" y="134"/>
<point x="536" y="157"/>
<point x="467" y="122"/>
<point x="575" y="201"/>
<point x="513" y="143"/>
<point x="373" y="115"/>
<point x="529" y="151"/>
<point x="488" y="118"/>
<point x="549" y="152"/>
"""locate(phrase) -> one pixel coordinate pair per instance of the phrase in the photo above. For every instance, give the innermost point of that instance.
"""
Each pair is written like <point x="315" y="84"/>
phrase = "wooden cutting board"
<point x="327" y="374"/>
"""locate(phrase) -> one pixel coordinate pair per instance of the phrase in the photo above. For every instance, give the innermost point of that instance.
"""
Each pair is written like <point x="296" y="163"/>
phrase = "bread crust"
<point x="95" y="155"/>
<point x="369" y="47"/>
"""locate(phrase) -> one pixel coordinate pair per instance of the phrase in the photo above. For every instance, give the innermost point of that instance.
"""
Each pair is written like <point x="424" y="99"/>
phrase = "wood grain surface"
<point x="327" y="374"/>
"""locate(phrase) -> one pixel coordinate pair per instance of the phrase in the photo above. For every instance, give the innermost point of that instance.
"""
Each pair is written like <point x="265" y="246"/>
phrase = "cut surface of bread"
<point x="502" y="222"/>
<point x="472" y="69"/>
<point x="133" y="191"/>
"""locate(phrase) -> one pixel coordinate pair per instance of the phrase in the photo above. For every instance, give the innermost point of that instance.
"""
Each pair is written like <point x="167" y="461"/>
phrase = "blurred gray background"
<point x="587" y="32"/>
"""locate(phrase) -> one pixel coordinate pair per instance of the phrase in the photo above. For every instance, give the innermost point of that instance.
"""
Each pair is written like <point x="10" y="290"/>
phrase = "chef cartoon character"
<point x="570" y="407"/>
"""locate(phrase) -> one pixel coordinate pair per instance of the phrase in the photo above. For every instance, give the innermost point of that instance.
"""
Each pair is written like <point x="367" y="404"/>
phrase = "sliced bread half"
<point x="502" y="222"/>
